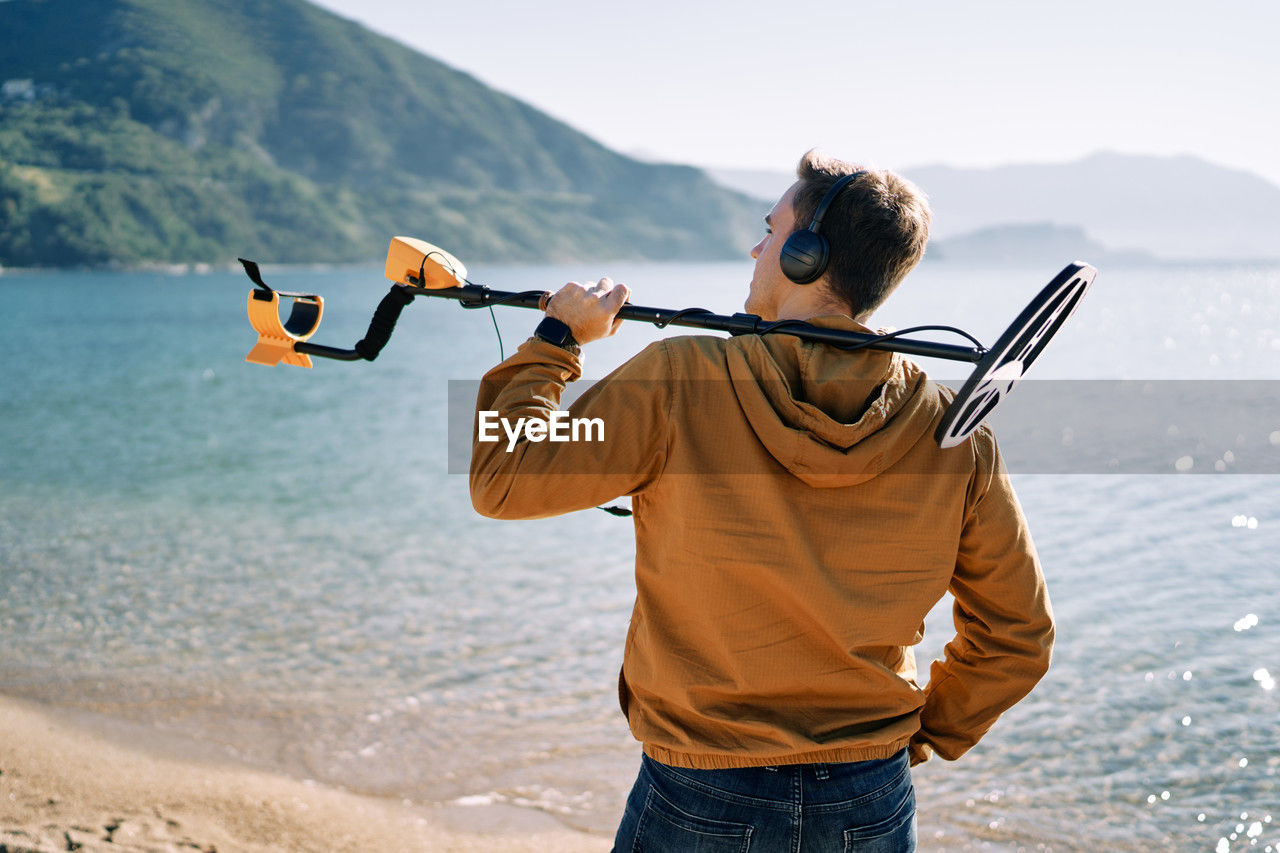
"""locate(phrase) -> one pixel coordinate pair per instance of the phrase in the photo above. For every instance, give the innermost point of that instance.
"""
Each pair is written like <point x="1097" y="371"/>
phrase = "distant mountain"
<point x="1172" y="207"/>
<point x="1176" y="207"/>
<point x="1031" y="245"/>
<point x="185" y="130"/>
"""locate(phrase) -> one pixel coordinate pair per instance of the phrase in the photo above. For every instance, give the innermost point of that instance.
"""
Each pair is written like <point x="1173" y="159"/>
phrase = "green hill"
<point x="139" y="131"/>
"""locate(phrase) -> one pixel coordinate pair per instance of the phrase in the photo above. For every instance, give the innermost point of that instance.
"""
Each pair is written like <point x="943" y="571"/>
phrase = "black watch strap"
<point x="555" y="332"/>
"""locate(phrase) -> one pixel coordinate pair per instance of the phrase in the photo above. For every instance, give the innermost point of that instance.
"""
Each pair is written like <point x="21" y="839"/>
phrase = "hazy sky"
<point x="754" y="85"/>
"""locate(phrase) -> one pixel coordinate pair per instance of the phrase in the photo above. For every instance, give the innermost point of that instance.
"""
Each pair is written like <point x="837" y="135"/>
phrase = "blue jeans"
<point x="864" y="806"/>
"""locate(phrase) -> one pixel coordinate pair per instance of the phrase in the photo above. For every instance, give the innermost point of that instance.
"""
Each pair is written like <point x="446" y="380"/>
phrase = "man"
<point x="794" y="521"/>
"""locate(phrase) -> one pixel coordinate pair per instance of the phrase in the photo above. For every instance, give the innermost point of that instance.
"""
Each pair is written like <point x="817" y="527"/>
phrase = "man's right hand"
<point x="590" y="310"/>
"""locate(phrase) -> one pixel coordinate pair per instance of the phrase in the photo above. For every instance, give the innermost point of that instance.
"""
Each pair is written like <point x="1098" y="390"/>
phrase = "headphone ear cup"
<point x="804" y="256"/>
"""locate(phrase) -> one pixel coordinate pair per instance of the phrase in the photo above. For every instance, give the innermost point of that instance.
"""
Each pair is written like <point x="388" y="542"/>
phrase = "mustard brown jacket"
<point x="795" y="521"/>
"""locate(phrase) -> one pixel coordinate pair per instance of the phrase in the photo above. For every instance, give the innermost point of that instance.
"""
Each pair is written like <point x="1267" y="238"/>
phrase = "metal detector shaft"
<point x="419" y="269"/>
<point x="736" y="324"/>
<point x="323" y="351"/>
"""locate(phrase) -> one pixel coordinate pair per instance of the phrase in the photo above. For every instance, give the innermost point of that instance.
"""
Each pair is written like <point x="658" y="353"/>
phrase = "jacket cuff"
<point x="549" y="353"/>
<point x="918" y="752"/>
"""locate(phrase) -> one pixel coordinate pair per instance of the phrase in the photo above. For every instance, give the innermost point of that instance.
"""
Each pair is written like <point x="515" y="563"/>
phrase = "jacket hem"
<point x="836" y="755"/>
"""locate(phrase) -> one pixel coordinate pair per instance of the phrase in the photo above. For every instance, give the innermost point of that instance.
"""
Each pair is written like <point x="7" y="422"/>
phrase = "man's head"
<point x="877" y="227"/>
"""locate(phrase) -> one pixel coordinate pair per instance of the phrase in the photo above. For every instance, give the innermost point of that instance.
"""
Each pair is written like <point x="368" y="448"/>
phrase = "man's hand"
<point x="589" y="310"/>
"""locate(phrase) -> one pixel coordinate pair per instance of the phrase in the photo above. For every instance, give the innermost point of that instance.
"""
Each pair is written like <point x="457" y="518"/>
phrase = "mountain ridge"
<point x="136" y="131"/>
<point x="1175" y="208"/>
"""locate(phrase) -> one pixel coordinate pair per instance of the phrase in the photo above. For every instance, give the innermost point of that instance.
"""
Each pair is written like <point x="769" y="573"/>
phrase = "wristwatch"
<point x="555" y="332"/>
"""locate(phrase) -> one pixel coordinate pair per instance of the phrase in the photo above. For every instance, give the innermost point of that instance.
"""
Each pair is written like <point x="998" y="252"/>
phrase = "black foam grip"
<point x="383" y="323"/>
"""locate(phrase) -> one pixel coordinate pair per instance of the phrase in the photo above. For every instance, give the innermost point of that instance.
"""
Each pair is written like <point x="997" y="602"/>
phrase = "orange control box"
<point x="417" y="262"/>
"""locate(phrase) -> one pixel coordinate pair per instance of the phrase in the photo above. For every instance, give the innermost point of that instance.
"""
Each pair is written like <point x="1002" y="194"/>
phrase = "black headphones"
<point x="804" y="256"/>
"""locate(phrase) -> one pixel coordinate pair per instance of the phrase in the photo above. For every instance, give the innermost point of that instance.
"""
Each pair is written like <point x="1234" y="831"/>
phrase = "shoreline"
<point x="63" y="784"/>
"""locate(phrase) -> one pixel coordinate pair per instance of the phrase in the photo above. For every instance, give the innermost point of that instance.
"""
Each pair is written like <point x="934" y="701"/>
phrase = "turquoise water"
<point x="276" y="561"/>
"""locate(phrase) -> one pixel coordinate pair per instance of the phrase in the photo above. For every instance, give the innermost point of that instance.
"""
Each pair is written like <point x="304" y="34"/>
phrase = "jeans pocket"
<point x="665" y="828"/>
<point x="893" y="830"/>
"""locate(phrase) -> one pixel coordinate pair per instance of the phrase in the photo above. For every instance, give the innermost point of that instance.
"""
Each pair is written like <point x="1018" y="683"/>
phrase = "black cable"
<point x="501" y="354"/>
<point x="782" y="324"/>
<point x="907" y="331"/>
<point x="514" y="297"/>
<point x="473" y="306"/>
<point x="779" y="324"/>
<point x="662" y="324"/>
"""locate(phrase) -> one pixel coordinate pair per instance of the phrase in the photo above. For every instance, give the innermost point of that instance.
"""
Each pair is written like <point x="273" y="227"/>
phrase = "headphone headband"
<point x="821" y="210"/>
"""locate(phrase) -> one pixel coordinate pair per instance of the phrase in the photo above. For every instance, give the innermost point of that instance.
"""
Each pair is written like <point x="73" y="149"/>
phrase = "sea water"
<point x="276" y="562"/>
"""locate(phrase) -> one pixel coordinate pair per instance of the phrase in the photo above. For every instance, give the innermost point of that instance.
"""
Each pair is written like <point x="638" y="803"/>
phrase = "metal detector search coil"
<point x="1018" y="348"/>
<point x="418" y="268"/>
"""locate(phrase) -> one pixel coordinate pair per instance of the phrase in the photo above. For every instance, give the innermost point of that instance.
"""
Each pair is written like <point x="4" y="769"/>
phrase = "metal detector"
<point x="418" y="268"/>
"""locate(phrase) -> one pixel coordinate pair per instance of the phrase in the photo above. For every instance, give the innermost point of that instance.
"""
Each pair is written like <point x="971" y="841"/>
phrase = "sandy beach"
<point x="64" y="787"/>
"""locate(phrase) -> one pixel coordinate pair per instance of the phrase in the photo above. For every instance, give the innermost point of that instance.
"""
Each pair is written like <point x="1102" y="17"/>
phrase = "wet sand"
<point x="64" y="787"/>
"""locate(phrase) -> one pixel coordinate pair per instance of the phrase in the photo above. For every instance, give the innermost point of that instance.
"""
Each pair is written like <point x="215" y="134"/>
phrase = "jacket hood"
<point x="831" y="417"/>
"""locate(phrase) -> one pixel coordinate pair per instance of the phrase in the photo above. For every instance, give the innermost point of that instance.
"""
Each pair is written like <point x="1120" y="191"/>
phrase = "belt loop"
<point x="820" y="770"/>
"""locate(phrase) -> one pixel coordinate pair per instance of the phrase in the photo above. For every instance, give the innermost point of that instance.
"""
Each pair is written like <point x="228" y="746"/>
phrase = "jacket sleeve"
<point x="1003" y="619"/>
<point x="619" y="448"/>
